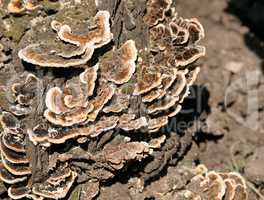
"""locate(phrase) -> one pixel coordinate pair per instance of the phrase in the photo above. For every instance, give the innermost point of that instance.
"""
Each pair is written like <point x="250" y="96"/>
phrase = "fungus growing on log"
<point x="25" y="90"/>
<point x="214" y="185"/>
<point x="14" y="162"/>
<point x="118" y="78"/>
<point x="57" y="186"/>
<point x="83" y="123"/>
<point x="43" y="55"/>
<point x="183" y="183"/>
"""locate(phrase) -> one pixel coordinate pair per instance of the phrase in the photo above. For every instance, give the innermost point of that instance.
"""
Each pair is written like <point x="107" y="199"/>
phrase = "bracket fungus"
<point x="18" y="6"/>
<point x="215" y="185"/>
<point x="183" y="183"/>
<point x="25" y="90"/>
<point x="97" y="36"/>
<point x="121" y="77"/>
<point x="125" y="89"/>
<point x="15" y="167"/>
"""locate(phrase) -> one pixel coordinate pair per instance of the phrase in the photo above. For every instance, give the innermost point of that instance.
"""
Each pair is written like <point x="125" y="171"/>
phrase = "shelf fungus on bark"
<point x="183" y="183"/>
<point x="15" y="168"/>
<point x="156" y="10"/>
<point x="175" y="40"/>
<point x="215" y="185"/>
<point x="117" y="155"/>
<point x="97" y="36"/>
<point x="127" y="89"/>
<point x="18" y="6"/>
<point x="119" y="65"/>
<point x="57" y="185"/>
<point x="25" y="90"/>
<point x="114" y="155"/>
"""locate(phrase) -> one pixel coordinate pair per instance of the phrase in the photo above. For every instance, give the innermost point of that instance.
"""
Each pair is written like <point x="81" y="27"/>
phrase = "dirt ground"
<point x="232" y="73"/>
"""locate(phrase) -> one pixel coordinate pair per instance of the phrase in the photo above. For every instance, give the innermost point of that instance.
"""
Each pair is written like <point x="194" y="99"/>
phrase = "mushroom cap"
<point x="98" y="37"/>
<point x="11" y="155"/>
<point x="216" y="185"/>
<point x="55" y="191"/>
<point x="121" y="152"/>
<point x="57" y="137"/>
<point x="16" y="169"/>
<point x="40" y="54"/>
<point x="156" y="11"/>
<point x="119" y="65"/>
<point x="8" y="120"/>
<point x="18" y="191"/>
<point x="9" y="178"/>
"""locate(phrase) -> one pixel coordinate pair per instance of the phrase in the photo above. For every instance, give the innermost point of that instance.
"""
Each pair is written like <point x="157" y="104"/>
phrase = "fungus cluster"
<point x="125" y="89"/>
<point x="129" y="89"/>
<point x="15" y="167"/>
<point x="183" y="183"/>
<point x="98" y="35"/>
<point x="215" y="185"/>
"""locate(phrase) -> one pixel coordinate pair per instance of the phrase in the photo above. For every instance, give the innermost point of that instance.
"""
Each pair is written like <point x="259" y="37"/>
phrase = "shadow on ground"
<point x="251" y="14"/>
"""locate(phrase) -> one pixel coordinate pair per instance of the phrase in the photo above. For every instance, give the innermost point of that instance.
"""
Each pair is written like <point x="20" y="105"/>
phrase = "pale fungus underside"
<point x="80" y="130"/>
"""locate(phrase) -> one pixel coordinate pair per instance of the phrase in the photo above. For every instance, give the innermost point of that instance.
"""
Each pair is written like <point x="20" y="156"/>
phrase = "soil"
<point x="232" y="73"/>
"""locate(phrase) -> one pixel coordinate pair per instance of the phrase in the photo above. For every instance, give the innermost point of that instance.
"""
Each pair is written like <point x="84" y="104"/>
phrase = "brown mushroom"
<point x="43" y="55"/>
<point x="25" y="89"/>
<point x="156" y="11"/>
<point x="215" y="185"/>
<point x="39" y="135"/>
<point x="38" y="54"/>
<point x="12" y="156"/>
<point x="128" y="122"/>
<point x="54" y="191"/>
<point x="105" y="94"/>
<point x="146" y="80"/>
<point x="157" y="142"/>
<point x="9" y="178"/>
<point x="119" y="65"/>
<point x="16" y="169"/>
<point x="98" y="37"/>
<point x="117" y="155"/>
<point x="135" y="93"/>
